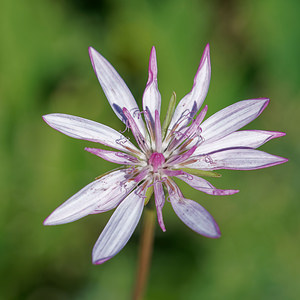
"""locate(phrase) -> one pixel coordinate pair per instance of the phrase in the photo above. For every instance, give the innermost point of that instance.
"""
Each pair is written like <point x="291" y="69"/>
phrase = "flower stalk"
<point x="145" y="252"/>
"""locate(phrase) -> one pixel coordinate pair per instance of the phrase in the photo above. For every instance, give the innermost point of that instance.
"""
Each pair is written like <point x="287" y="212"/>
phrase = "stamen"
<point x="149" y="126"/>
<point x="122" y="140"/>
<point x="158" y="181"/>
<point x="141" y="190"/>
<point x="208" y="159"/>
<point x="127" y="127"/>
<point x="136" y="132"/>
<point x="130" y="170"/>
<point x="189" y="176"/>
<point x="194" y="129"/>
<point x="182" y="118"/>
<point x="141" y="175"/>
<point x="183" y="157"/>
<point x="126" y="156"/>
<point x="157" y="132"/>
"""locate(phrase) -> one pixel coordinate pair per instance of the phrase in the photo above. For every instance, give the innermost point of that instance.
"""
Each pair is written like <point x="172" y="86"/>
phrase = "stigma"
<point x="156" y="160"/>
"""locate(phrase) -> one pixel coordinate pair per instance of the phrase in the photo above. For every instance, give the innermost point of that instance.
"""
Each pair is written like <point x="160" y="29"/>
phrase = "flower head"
<point x="185" y="147"/>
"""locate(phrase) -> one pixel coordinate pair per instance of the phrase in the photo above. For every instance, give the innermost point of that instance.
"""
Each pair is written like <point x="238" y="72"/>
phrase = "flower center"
<point x="156" y="160"/>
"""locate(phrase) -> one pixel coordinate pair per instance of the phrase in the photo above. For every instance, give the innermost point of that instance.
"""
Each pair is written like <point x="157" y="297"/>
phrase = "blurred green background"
<point x="45" y="68"/>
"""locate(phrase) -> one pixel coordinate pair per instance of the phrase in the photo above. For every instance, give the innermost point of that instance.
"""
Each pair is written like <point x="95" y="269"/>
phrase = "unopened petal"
<point x="191" y="103"/>
<point x="119" y="228"/>
<point x="152" y="97"/>
<point x="114" y="87"/>
<point x="102" y="194"/>
<point x="232" y="118"/>
<point x="83" y="129"/>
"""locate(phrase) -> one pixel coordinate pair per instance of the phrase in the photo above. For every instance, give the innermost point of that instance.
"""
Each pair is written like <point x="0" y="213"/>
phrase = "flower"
<point x="184" y="147"/>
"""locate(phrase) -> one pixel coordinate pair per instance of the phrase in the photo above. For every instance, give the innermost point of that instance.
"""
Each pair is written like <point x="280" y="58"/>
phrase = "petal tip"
<point x="277" y="134"/>
<point x="267" y="101"/>
<point x="206" y="52"/>
<point x="92" y="51"/>
<point x="46" y="118"/>
<point x="100" y="261"/>
<point x="47" y="221"/>
<point x="217" y="233"/>
<point x="206" y="49"/>
<point x="152" y="70"/>
<point x="204" y="64"/>
<point x="153" y="51"/>
<point x="213" y="235"/>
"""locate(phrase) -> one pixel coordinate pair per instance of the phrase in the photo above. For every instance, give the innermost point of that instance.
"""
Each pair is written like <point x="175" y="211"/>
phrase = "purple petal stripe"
<point x="232" y="118"/>
<point x="235" y="159"/>
<point x="245" y="138"/>
<point x="102" y="194"/>
<point x="119" y="228"/>
<point x="83" y="129"/>
<point x="115" y="89"/>
<point x="194" y="215"/>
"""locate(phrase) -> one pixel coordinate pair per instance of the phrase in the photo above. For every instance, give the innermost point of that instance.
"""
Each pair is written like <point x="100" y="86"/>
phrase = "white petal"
<point x="152" y="97"/>
<point x="195" y="216"/>
<point x="236" y="159"/>
<point x="232" y="118"/>
<point x="191" y="103"/>
<point x="83" y="129"/>
<point x="119" y="228"/>
<point x="115" y="89"/>
<point x="245" y="138"/>
<point x="102" y="194"/>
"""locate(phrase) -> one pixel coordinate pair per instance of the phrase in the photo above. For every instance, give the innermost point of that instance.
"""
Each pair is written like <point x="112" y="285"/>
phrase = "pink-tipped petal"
<point x="114" y="157"/>
<point x="191" y="103"/>
<point x="245" y="138"/>
<point x="115" y="89"/>
<point x="152" y="97"/>
<point x="183" y="157"/>
<point x="83" y="129"/>
<point x="235" y="159"/>
<point x="194" y="215"/>
<point x="119" y="228"/>
<point x="159" y="202"/>
<point x="232" y="118"/>
<point x="203" y="185"/>
<point x="102" y="194"/>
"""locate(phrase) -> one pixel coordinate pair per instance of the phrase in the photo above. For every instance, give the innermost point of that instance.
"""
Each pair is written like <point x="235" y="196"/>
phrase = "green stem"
<point x="145" y="253"/>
